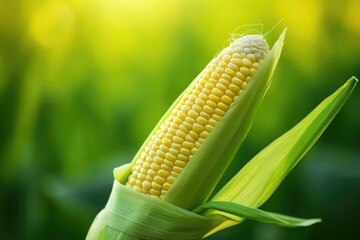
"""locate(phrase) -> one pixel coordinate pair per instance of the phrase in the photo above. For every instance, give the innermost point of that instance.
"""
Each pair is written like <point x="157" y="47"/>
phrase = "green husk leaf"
<point x="129" y="215"/>
<point x="215" y="154"/>
<point x="259" y="178"/>
<point x="245" y="212"/>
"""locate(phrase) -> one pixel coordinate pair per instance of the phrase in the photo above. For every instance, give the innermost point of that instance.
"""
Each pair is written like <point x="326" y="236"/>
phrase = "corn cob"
<point x="200" y="108"/>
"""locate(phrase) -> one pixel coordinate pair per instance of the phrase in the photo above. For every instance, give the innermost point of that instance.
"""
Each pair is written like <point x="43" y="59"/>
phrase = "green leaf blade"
<point x="244" y="212"/>
<point x="260" y="177"/>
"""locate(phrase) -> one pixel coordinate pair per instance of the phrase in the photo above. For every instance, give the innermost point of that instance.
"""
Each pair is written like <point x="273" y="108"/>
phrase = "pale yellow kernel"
<point x="185" y="108"/>
<point x="160" y="153"/>
<point x="187" y="124"/>
<point x="155" y="147"/>
<point x="146" y="165"/>
<point x="213" y="81"/>
<point x="156" y="165"/>
<point x="209" y="128"/>
<point x="182" y="157"/>
<point x="214" y="98"/>
<point x="194" y="150"/>
<point x="206" y="91"/>
<point x="205" y="115"/>
<point x="215" y="75"/>
<point x="224" y="82"/>
<point x="208" y="109"/>
<point x="233" y="67"/>
<point x="196" y="108"/>
<point x="203" y="97"/>
<point x="169" y="135"/>
<point x="235" y="89"/>
<point x="180" y="133"/>
<point x="219" y="112"/>
<point x="236" y="61"/>
<point x="252" y="71"/>
<point x="251" y="57"/>
<point x="163" y="174"/>
<point x="159" y="180"/>
<point x="189" y="103"/>
<point x="200" y="102"/>
<point x="211" y="103"/>
<point x="181" y="115"/>
<point x="223" y="64"/>
<point x="157" y="141"/>
<point x="180" y="164"/>
<point x="193" y="134"/>
<point x="198" y="128"/>
<point x="174" y="174"/>
<point x="226" y="58"/>
<point x="163" y="148"/>
<point x="216" y="117"/>
<point x="166" y="186"/>
<point x="209" y="86"/>
<point x="193" y="115"/>
<point x="192" y="97"/>
<point x="177" y="120"/>
<point x="176" y="146"/>
<point x="226" y="99"/>
<point x="245" y="71"/>
<point x="146" y="186"/>
<point x="229" y="50"/>
<point x="196" y="92"/>
<point x="143" y="171"/>
<point x="212" y="121"/>
<point x="237" y="55"/>
<point x="197" y="144"/>
<point x="174" y="125"/>
<point x="204" y="134"/>
<point x="158" y="160"/>
<point x="132" y="181"/>
<point x="184" y="151"/>
<point x="236" y="81"/>
<point x="154" y="193"/>
<point x="149" y="159"/>
<point x="169" y="156"/>
<point x="229" y="71"/>
<point x="219" y="70"/>
<point x="201" y="140"/>
<point x="171" y="179"/>
<point x="169" y="163"/>
<point x="200" y="120"/>
<point x="240" y="76"/>
<point x="177" y="169"/>
<point x="247" y="79"/>
<point x="165" y="167"/>
<point x="256" y="65"/>
<point x="173" y="151"/>
<point x="141" y="177"/>
<point x="187" y="145"/>
<point x="229" y="93"/>
<point x="149" y="179"/>
<point x="222" y="106"/>
<point x="221" y="87"/>
<point x="188" y="138"/>
<point x="225" y="76"/>
<point x="190" y="119"/>
<point x="178" y="140"/>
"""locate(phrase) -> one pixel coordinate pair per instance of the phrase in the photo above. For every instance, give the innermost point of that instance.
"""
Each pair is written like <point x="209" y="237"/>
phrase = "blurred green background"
<point x="83" y="82"/>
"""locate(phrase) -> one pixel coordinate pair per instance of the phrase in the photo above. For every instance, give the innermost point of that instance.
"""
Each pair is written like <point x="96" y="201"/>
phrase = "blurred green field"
<point x="82" y="84"/>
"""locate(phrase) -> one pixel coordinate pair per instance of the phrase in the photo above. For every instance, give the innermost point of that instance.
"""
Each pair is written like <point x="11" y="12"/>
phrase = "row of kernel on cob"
<point x="201" y="107"/>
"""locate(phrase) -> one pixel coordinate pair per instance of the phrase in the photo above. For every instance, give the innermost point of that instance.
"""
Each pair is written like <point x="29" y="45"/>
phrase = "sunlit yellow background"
<point x="83" y="82"/>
